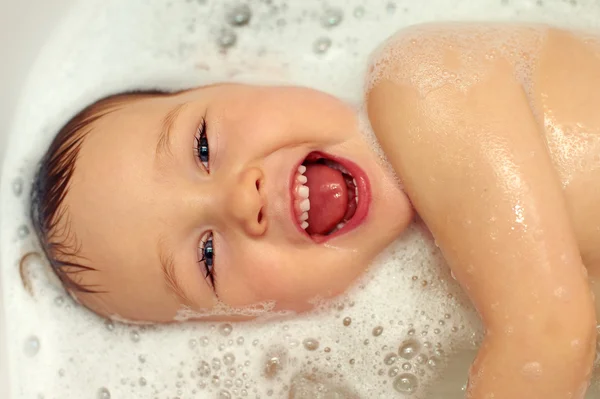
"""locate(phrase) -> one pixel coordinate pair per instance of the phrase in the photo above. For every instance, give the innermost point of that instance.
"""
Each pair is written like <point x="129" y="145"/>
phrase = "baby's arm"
<point x="475" y="167"/>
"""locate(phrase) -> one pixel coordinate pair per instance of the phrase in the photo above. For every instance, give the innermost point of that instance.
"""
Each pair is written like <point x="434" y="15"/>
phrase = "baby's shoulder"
<point x="433" y="55"/>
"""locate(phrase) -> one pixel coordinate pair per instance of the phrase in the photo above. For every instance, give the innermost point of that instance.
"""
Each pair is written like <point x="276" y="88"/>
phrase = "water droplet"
<point x="59" y="301"/>
<point x="411" y="332"/>
<point x="310" y="344"/>
<point x="224" y="394"/>
<point x="351" y="361"/>
<point x="143" y="382"/>
<point x="391" y="7"/>
<point x="135" y="336"/>
<point x="437" y="331"/>
<point x="225" y="329"/>
<point x="203" y="341"/>
<point x="215" y="380"/>
<point x="406" y="366"/>
<point x="103" y="393"/>
<point x="239" y="15"/>
<point x="406" y="383"/>
<point x="23" y="231"/>
<point x="32" y="346"/>
<point x="216" y="364"/>
<point x="390" y="359"/>
<point x="17" y="186"/>
<point x="227" y="38"/>
<point x="322" y="45"/>
<point x="332" y="17"/>
<point x="228" y="359"/>
<point x="409" y="349"/>
<point x="377" y="331"/>
<point x="61" y="372"/>
<point x="192" y="343"/>
<point x="359" y="12"/>
<point x="347" y="321"/>
<point x="240" y="341"/>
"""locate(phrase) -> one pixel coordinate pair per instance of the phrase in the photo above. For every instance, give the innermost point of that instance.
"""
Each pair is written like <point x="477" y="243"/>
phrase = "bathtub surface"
<point x="24" y="25"/>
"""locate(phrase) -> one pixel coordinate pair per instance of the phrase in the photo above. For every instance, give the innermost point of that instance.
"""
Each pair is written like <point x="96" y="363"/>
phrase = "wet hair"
<point x="49" y="214"/>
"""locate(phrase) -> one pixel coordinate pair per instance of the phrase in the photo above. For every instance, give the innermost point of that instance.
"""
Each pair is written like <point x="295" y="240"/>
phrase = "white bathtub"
<point x="24" y="25"/>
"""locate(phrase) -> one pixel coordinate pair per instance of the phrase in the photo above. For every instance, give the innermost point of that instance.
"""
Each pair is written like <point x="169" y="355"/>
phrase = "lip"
<point x="364" y="197"/>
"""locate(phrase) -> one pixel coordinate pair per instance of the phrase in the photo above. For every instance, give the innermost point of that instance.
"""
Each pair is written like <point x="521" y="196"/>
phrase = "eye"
<point x="202" y="150"/>
<point x="206" y="255"/>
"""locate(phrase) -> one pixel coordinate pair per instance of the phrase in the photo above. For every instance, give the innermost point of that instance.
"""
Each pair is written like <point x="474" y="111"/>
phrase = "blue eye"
<point x="207" y="256"/>
<point x="202" y="150"/>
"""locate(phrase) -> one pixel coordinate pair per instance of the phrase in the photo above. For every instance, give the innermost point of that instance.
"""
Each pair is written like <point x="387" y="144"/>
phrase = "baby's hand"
<point x="475" y="166"/>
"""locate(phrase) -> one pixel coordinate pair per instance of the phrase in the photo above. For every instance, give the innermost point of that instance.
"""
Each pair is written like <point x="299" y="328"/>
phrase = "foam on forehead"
<point x="391" y="333"/>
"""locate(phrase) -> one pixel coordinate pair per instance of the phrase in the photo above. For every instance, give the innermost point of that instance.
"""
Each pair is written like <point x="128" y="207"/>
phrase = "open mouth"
<point x="330" y="196"/>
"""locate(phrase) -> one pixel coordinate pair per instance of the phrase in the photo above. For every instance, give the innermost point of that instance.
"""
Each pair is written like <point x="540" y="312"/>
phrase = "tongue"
<point x="328" y="198"/>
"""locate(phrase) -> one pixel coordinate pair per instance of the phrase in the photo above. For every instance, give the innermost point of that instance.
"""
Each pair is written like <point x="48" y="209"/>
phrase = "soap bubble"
<point x="110" y="326"/>
<point x="332" y="17"/>
<point x="322" y="45"/>
<point x="32" y="346"/>
<point x="17" y="186"/>
<point x="225" y="329"/>
<point x="228" y="359"/>
<point x="359" y="12"/>
<point x="135" y="336"/>
<point x="239" y="15"/>
<point x="390" y="359"/>
<point x="224" y="394"/>
<point x="203" y="369"/>
<point x="23" y="231"/>
<point x="409" y="349"/>
<point x="103" y="393"/>
<point x="406" y="383"/>
<point x="227" y="39"/>
<point x="310" y="344"/>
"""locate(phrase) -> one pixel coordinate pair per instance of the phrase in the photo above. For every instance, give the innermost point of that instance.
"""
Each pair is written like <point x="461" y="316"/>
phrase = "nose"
<point x="246" y="203"/>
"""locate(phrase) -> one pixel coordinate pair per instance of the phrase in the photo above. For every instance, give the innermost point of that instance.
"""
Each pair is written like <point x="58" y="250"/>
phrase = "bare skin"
<point x="505" y="172"/>
<point x="142" y="205"/>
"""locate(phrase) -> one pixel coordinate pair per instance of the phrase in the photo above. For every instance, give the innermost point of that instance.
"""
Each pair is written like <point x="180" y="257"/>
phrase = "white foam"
<point x="106" y="46"/>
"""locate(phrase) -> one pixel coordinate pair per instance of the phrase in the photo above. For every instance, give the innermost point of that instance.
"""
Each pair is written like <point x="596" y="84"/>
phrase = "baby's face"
<point x="197" y="200"/>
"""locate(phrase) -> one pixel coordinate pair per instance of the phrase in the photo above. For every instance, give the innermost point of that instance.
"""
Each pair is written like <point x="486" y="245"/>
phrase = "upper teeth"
<point x="302" y="199"/>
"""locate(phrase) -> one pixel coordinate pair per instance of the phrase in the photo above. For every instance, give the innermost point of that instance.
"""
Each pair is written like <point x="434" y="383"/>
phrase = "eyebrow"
<point x="167" y="266"/>
<point x="163" y="146"/>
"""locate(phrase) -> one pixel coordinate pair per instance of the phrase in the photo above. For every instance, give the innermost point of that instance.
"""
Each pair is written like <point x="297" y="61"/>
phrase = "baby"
<point x="147" y="203"/>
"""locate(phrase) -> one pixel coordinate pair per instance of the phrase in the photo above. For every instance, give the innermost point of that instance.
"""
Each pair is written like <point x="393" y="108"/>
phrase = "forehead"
<point x="103" y="203"/>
